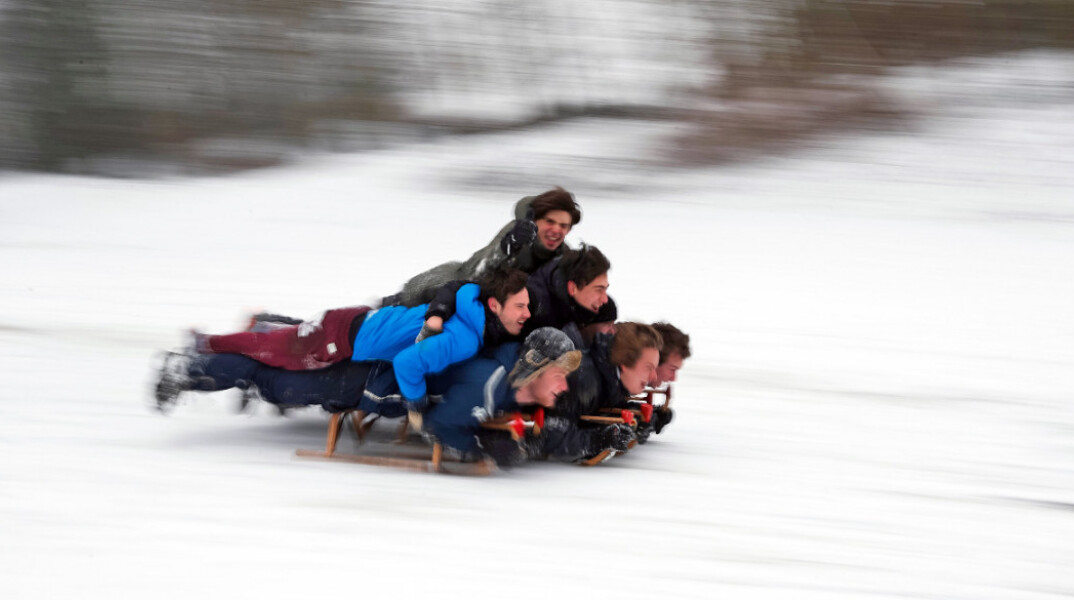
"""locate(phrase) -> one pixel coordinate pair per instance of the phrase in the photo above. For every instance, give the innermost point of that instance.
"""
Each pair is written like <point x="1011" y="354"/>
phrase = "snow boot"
<point x="174" y="380"/>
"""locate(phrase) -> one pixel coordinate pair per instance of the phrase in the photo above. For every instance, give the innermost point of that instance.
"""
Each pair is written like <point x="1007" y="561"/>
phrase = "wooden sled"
<point x="436" y="463"/>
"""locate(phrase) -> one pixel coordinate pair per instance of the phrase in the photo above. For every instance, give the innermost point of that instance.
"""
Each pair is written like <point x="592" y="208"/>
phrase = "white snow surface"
<point x="879" y="404"/>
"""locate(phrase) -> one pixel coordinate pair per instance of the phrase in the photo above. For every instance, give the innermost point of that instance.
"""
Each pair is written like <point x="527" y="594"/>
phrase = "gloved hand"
<point x="644" y="431"/>
<point x="501" y="448"/>
<point x="616" y="437"/>
<point x="522" y="234"/>
<point x="661" y="418"/>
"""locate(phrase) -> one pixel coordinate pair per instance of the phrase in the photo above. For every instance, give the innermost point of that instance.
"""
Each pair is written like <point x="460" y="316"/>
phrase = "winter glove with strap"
<point x="661" y="418"/>
<point x="521" y="235"/>
<point x="616" y="437"/>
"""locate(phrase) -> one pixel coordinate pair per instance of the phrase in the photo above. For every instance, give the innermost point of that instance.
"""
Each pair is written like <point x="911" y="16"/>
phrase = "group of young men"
<point x="525" y="322"/>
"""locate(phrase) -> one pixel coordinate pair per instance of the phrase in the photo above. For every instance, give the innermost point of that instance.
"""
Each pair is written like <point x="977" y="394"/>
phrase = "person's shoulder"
<point x="522" y="207"/>
<point x="468" y="292"/>
<point x="546" y="271"/>
<point x="506" y="354"/>
<point x="469" y="307"/>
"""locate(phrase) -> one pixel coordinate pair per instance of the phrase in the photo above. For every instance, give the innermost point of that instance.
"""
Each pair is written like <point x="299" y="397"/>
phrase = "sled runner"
<point x="596" y="460"/>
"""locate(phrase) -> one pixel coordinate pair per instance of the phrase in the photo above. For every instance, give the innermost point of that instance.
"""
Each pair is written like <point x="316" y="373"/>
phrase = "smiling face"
<point x="642" y="373"/>
<point x="552" y="227"/>
<point x="593" y="296"/>
<point x="667" y="370"/>
<point x="514" y="311"/>
<point x="543" y="391"/>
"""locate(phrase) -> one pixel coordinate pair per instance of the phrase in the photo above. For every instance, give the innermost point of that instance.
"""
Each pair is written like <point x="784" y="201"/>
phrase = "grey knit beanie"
<point x="543" y="348"/>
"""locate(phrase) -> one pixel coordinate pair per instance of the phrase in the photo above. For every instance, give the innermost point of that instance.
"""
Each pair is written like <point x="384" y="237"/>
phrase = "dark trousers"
<point x="336" y="388"/>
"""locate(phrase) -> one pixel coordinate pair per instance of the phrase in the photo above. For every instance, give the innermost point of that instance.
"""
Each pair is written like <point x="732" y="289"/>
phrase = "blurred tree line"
<point x="114" y="86"/>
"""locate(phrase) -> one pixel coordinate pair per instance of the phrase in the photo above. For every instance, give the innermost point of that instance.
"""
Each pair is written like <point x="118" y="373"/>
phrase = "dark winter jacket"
<point x="471" y="393"/>
<point x="420" y="288"/>
<point x="550" y="303"/>
<point x="591" y="387"/>
<point x="594" y="384"/>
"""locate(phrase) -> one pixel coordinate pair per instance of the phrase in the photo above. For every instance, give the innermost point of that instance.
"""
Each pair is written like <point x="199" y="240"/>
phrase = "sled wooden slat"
<point x="600" y="419"/>
<point x="596" y="460"/>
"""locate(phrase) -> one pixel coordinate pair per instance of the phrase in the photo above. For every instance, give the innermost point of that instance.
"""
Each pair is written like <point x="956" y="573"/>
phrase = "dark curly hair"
<point x="557" y="199"/>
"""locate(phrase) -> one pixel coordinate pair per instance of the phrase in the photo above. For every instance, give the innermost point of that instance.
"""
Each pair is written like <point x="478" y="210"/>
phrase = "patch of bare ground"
<point x="789" y="98"/>
<point x="770" y="119"/>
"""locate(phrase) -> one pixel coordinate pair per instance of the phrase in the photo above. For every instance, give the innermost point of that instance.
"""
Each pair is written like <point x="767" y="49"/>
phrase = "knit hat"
<point x="545" y="347"/>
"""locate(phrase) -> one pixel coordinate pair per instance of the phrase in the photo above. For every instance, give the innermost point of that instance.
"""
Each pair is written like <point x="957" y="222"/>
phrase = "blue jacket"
<point x="388" y="334"/>
<point x="472" y="392"/>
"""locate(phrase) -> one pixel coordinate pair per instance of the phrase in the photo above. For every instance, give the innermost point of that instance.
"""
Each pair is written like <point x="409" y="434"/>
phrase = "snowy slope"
<point x="879" y="404"/>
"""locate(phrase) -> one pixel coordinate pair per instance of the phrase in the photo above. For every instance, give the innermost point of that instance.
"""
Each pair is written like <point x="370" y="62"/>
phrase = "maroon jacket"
<point x="324" y="344"/>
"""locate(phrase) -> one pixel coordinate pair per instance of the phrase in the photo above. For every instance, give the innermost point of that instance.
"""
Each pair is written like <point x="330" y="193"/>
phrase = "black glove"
<point x="644" y="431"/>
<point x="614" y="437"/>
<point x="505" y="451"/>
<point x="661" y="418"/>
<point x="520" y="236"/>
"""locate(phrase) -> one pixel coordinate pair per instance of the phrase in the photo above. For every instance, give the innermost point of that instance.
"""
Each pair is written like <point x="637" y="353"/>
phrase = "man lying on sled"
<point x="619" y="363"/>
<point x="535" y="237"/>
<point x="484" y="315"/>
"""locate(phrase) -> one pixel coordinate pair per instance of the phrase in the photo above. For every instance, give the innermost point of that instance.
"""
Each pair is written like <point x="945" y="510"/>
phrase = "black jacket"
<point x="550" y="304"/>
<point x="591" y="387"/>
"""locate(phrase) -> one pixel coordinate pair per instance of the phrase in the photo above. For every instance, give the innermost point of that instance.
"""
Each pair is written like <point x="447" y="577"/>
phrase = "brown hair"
<point x="630" y="339"/>
<point x="501" y="283"/>
<point x="675" y="341"/>
<point x="584" y="265"/>
<point x="557" y="199"/>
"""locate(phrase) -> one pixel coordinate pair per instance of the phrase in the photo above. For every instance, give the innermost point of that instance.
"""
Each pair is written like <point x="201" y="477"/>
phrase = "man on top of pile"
<point x="535" y="237"/>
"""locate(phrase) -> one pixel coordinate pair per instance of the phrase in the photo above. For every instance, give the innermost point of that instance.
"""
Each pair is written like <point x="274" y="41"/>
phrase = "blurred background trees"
<point x="135" y="88"/>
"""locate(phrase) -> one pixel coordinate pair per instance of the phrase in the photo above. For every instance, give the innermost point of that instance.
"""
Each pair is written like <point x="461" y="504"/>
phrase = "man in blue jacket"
<point x="484" y="315"/>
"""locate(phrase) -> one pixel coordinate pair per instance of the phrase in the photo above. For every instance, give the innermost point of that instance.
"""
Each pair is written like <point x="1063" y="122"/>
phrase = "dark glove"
<point x="520" y="236"/>
<point x="661" y="418"/>
<point x="614" y="437"/>
<point x="501" y="448"/>
<point x="644" y="431"/>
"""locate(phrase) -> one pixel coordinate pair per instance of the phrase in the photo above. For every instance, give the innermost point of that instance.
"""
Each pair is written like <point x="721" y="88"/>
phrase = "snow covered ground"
<point x="879" y="404"/>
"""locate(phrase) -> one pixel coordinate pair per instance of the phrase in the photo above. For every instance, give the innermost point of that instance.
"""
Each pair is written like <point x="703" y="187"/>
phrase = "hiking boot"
<point x="174" y="380"/>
